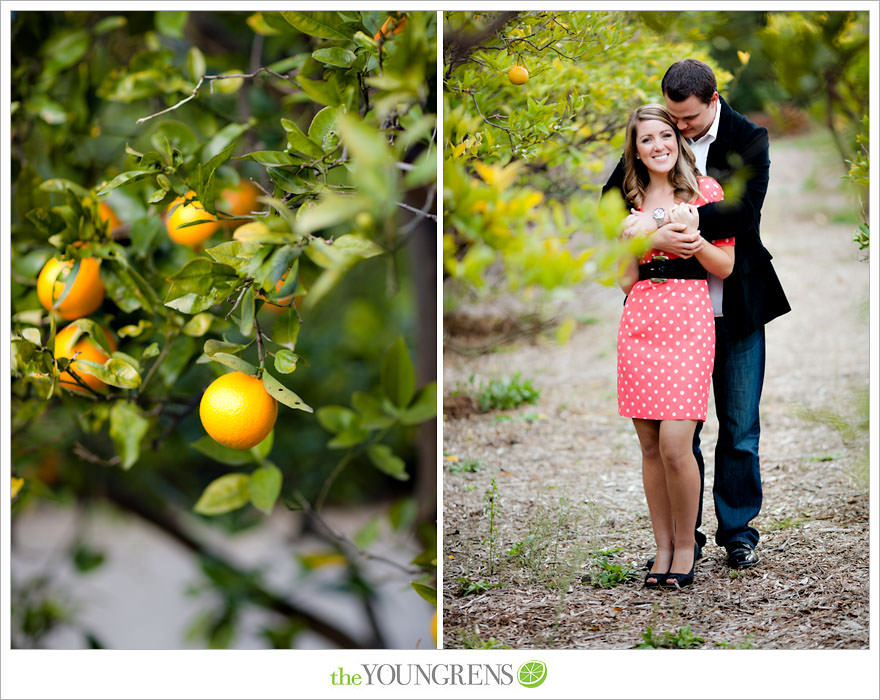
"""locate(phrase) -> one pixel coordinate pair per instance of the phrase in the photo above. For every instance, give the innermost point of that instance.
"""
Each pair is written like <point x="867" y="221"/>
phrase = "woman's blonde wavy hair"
<point x="682" y="177"/>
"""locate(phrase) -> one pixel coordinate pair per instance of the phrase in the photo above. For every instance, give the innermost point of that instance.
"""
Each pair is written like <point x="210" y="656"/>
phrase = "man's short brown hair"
<point x="689" y="77"/>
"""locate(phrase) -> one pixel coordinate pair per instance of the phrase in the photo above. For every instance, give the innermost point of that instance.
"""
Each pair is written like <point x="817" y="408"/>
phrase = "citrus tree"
<point x="222" y="258"/>
<point x="534" y="107"/>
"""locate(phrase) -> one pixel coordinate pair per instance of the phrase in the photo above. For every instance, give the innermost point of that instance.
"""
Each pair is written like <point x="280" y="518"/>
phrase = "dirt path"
<point x="567" y="482"/>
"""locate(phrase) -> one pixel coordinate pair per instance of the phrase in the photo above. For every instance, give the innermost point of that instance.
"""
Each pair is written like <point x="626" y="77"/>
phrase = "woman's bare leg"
<point x="654" y="480"/>
<point x="682" y="486"/>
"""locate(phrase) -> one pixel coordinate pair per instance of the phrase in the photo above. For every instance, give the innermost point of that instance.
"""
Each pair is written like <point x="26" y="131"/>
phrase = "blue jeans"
<point x="737" y="378"/>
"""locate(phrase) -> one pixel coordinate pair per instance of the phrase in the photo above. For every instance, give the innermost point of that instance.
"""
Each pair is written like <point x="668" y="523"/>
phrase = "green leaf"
<point x="265" y="487"/>
<point x="234" y="362"/>
<point x="272" y="158"/>
<point x="115" y="372"/>
<point x="195" y="63"/>
<point x="357" y="245"/>
<point x="229" y="134"/>
<point x="123" y="179"/>
<point x="246" y="307"/>
<point x="333" y="209"/>
<point x="334" y="56"/>
<point x="285" y="361"/>
<point x="32" y="335"/>
<point x="213" y="346"/>
<point x="271" y="271"/>
<point x="368" y="534"/>
<point x="228" y="492"/>
<point x="199" y="275"/>
<point x="387" y="462"/>
<point x="258" y="23"/>
<point x="398" y="375"/>
<point x="427" y="592"/>
<point x="286" y="329"/>
<point x="198" y="325"/>
<point x="61" y="185"/>
<point x="326" y="25"/>
<point x="256" y="232"/>
<point x="373" y="417"/>
<point x="423" y="408"/>
<point x="321" y="91"/>
<point x="171" y="22"/>
<point x="283" y="394"/>
<point x="236" y="254"/>
<point x="108" y="24"/>
<point x="127" y="429"/>
<point x="299" y="142"/>
<point x="348" y="438"/>
<point x="65" y="49"/>
<point x="322" y="130"/>
<point x="209" y="447"/>
<point x="290" y="182"/>
<point x="335" y="419"/>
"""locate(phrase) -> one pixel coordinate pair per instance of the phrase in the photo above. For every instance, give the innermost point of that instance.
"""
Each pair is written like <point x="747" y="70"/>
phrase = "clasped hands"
<point x="679" y="235"/>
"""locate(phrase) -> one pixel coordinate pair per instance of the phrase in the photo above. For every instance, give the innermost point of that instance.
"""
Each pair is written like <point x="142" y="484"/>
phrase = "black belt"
<point x="662" y="268"/>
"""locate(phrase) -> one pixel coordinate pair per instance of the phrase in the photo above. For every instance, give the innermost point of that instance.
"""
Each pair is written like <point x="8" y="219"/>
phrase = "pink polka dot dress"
<point x="666" y="342"/>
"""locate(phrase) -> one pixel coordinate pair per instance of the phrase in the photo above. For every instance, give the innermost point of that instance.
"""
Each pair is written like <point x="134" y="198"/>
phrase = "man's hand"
<point x="673" y="238"/>
<point x="686" y="214"/>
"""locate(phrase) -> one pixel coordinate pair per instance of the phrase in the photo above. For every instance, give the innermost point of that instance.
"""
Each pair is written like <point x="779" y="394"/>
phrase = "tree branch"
<point x="460" y="46"/>
<point x="195" y="92"/>
<point x="345" y="543"/>
<point x="258" y="594"/>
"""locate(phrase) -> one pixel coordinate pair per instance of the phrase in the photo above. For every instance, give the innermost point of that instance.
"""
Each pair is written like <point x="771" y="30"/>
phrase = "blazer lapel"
<point x="717" y="165"/>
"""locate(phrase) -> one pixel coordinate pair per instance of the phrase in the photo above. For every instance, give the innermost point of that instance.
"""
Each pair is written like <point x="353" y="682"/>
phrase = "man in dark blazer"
<point x="735" y="152"/>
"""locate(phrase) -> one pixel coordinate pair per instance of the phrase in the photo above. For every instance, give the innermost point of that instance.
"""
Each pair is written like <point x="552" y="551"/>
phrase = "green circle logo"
<point x="531" y="674"/>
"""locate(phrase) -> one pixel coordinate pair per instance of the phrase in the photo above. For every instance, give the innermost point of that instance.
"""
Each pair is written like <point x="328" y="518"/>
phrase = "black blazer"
<point x="739" y="156"/>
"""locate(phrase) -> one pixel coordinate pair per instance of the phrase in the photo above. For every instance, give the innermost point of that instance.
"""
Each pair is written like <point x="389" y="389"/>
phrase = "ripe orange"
<point x="237" y="411"/>
<point x="517" y="74"/>
<point x="398" y="23"/>
<point x="84" y="349"/>
<point x="106" y="213"/>
<point x="192" y="211"/>
<point x="434" y="627"/>
<point x="241" y="200"/>
<point x="84" y="297"/>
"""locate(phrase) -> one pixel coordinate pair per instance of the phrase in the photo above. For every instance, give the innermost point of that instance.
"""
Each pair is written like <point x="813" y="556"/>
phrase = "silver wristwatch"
<point x="659" y="215"/>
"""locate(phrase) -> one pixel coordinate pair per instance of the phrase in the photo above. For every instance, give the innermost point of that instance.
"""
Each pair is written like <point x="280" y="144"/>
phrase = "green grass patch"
<point x="474" y="641"/>
<point x="468" y="587"/>
<point x="682" y="638"/>
<point x="505" y="394"/>
<point x="607" y="573"/>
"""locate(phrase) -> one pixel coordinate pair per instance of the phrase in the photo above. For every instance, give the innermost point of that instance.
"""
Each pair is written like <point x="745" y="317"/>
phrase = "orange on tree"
<point x="184" y="210"/>
<point x="434" y="627"/>
<point x="237" y="411"/>
<point x="84" y="296"/>
<point x="517" y="74"/>
<point x="84" y="349"/>
<point x="392" y="25"/>
<point x="106" y="213"/>
<point x="240" y="200"/>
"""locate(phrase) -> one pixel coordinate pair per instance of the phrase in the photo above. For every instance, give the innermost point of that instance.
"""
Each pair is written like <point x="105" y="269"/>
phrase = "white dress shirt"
<point x="700" y="147"/>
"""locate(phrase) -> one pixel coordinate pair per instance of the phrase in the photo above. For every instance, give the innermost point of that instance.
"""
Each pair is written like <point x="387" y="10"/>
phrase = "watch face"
<point x="659" y="215"/>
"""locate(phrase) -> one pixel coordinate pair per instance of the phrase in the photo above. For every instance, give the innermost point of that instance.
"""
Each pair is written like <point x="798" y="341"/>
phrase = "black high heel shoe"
<point x="681" y="580"/>
<point x="657" y="576"/>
